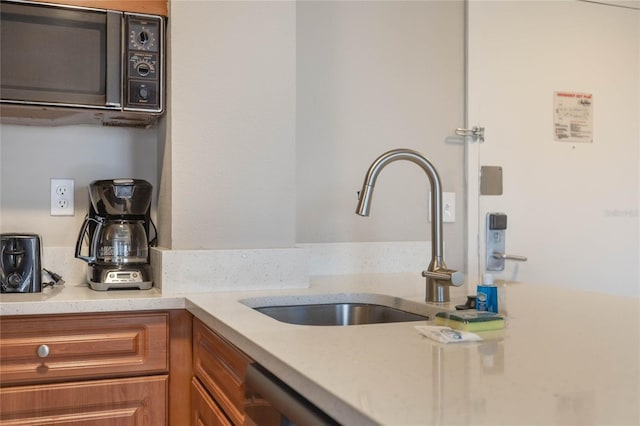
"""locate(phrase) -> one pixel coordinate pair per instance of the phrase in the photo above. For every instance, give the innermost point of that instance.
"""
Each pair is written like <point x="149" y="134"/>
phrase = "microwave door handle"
<point x="114" y="60"/>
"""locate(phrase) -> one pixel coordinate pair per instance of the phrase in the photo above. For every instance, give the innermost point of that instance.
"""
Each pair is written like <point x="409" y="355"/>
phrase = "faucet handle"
<point x="452" y="276"/>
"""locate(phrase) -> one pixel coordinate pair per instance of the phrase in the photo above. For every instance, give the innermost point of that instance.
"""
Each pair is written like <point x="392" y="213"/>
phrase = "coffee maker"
<point x="20" y="263"/>
<point x="117" y="231"/>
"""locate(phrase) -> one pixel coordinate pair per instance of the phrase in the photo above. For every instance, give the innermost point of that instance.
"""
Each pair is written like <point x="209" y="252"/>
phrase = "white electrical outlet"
<point x="62" y="197"/>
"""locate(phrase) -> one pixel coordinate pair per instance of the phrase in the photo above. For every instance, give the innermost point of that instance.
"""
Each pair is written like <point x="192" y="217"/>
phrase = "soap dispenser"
<point x="487" y="298"/>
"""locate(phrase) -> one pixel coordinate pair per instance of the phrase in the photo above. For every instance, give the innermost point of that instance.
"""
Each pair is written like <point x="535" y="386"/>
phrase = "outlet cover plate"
<point x="62" y="197"/>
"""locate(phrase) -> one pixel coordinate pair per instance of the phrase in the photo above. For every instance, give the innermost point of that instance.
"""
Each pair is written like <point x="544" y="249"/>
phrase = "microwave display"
<point x="71" y="57"/>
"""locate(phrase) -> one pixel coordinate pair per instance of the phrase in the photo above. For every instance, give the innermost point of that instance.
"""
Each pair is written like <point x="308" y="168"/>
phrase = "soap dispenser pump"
<point x="487" y="299"/>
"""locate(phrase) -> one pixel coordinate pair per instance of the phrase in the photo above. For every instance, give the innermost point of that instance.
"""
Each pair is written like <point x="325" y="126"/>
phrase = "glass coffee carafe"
<point x="122" y="242"/>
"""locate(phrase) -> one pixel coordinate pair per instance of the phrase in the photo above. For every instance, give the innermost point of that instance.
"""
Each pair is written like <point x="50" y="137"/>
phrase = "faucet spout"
<point x="439" y="277"/>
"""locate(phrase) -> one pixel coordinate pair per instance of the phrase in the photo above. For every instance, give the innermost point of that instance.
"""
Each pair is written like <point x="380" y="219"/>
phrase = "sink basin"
<point x="341" y="309"/>
<point x="338" y="314"/>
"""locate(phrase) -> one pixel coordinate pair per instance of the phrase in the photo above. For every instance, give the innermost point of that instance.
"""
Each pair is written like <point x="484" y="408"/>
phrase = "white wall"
<point x="278" y="108"/>
<point x="227" y="148"/>
<point x="572" y="207"/>
<point x="235" y="109"/>
<point x="31" y="156"/>
<point x="232" y="131"/>
<point x="374" y="76"/>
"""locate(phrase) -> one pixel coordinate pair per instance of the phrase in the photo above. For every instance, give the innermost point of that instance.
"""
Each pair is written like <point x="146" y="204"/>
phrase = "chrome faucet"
<point x="439" y="277"/>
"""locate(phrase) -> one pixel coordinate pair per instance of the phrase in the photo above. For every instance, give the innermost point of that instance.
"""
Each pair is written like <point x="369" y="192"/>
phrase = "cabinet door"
<point x="222" y="370"/>
<point x="136" y="401"/>
<point x="47" y="348"/>
<point x="205" y="411"/>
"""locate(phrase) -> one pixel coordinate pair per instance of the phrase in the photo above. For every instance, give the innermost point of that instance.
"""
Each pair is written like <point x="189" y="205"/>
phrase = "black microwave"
<point x="71" y="65"/>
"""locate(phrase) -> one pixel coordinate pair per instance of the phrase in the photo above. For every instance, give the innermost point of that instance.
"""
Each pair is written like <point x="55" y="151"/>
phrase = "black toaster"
<point x="20" y="263"/>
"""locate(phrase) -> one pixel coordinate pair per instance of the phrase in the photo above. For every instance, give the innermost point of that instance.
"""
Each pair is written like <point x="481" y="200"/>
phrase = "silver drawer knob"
<point x="43" y="351"/>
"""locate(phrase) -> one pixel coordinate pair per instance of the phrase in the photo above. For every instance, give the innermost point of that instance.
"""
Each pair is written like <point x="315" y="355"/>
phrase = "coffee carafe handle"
<point x="91" y="258"/>
<point x="153" y="241"/>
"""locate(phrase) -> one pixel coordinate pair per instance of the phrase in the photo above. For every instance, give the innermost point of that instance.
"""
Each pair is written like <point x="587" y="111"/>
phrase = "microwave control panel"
<point x="143" y="70"/>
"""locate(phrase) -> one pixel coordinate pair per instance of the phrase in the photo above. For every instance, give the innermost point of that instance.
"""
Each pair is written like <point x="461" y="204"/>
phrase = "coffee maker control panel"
<point x="120" y="277"/>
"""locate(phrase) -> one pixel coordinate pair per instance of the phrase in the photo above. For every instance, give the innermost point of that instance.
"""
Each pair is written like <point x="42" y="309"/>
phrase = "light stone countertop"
<point x="565" y="357"/>
<point x="78" y="298"/>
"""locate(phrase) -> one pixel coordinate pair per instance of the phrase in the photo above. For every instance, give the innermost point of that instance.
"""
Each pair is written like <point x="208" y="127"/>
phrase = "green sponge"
<point x="471" y="320"/>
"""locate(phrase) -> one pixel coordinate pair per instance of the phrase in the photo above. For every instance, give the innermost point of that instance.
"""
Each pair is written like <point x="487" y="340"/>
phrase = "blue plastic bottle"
<point x="487" y="298"/>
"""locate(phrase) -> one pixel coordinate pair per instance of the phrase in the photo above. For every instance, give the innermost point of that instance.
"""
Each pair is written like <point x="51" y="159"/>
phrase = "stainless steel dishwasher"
<point x="269" y="401"/>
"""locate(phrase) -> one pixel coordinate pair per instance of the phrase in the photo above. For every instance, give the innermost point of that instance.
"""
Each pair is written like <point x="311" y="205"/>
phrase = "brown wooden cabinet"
<point x="132" y="401"/>
<point x="180" y="367"/>
<point x="48" y="348"/>
<point x="96" y="369"/>
<point x="205" y="410"/>
<point x="218" y="388"/>
<point x="152" y="7"/>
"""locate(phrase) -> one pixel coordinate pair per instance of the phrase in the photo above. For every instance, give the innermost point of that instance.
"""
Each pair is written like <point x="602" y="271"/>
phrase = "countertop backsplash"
<point x="180" y="271"/>
<point x="62" y="261"/>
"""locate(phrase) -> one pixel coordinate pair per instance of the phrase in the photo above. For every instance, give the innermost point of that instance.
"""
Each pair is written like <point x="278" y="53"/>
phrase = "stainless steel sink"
<point x="344" y="309"/>
<point x="338" y="314"/>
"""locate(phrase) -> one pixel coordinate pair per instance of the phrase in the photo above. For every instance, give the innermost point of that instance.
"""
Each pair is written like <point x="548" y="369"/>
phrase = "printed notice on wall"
<point x="573" y="117"/>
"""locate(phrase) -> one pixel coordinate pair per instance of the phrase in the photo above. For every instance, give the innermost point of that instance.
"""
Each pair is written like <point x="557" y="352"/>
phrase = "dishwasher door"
<point x="269" y="401"/>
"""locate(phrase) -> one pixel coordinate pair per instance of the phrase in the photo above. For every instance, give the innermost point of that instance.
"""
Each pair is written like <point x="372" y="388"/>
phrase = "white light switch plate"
<point x="448" y="207"/>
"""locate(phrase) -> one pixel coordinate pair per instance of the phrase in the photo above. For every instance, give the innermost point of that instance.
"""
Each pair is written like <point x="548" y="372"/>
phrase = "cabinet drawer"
<point x="134" y="401"/>
<point x="222" y="370"/>
<point x="205" y="410"/>
<point x="82" y="346"/>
